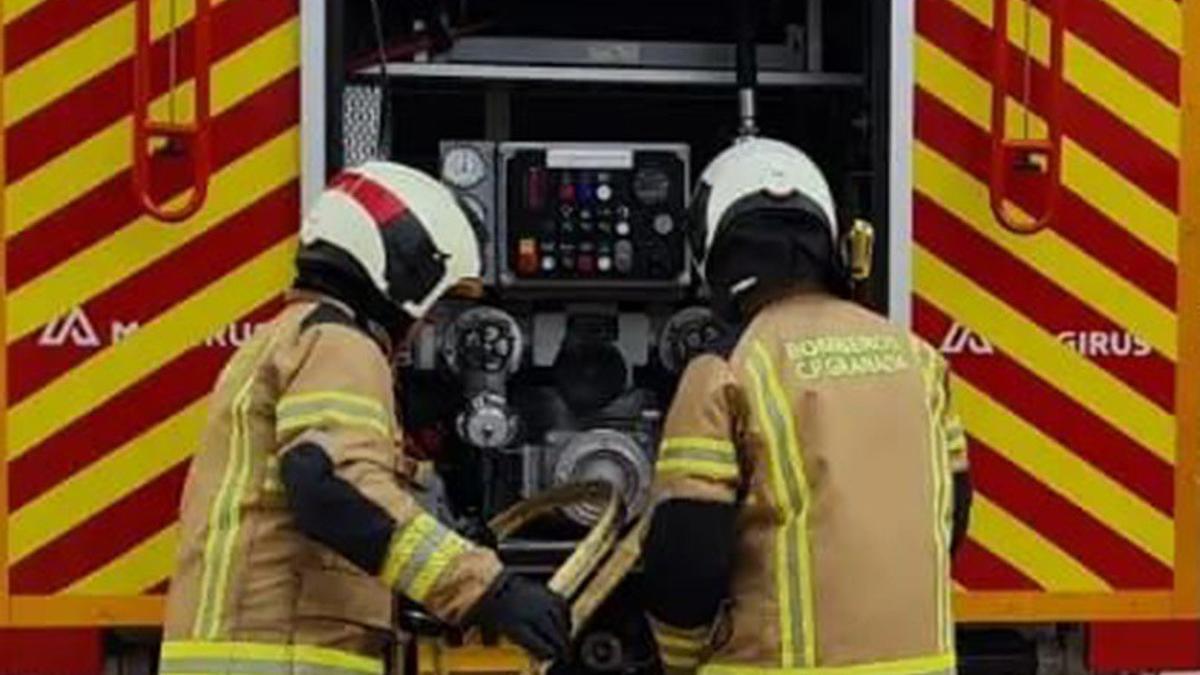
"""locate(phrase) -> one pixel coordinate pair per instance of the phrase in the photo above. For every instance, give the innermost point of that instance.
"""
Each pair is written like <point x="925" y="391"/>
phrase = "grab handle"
<point x="191" y="137"/>
<point x="1044" y="155"/>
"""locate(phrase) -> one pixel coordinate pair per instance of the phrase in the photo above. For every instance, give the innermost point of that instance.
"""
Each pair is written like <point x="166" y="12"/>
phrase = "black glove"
<point x="526" y="613"/>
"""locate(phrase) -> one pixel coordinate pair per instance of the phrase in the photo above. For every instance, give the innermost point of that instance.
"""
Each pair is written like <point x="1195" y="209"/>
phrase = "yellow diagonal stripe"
<point x="108" y="152"/>
<point x="137" y="570"/>
<point x="1123" y="94"/>
<point x="139" y="244"/>
<point x="1086" y="175"/>
<point x="1029" y="552"/>
<point x="1065" y="473"/>
<point x="151" y="347"/>
<point x="1094" y="74"/>
<point x="1049" y="253"/>
<point x="13" y="9"/>
<point x="1091" y="386"/>
<point x="1161" y="19"/>
<point x="115" y="475"/>
<point x="81" y="57"/>
<point x="1123" y="202"/>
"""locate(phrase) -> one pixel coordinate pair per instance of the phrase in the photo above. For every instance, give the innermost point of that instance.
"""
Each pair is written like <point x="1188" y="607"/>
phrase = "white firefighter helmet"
<point x="407" y="232"/>
<point x="759" y="181"/>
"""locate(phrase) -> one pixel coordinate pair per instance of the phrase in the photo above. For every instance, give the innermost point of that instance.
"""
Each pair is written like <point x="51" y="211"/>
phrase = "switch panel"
<point x="592" y="216"/>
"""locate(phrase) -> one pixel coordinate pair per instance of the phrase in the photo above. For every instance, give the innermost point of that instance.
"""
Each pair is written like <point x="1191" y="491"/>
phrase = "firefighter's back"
<point x="845" y="524"/>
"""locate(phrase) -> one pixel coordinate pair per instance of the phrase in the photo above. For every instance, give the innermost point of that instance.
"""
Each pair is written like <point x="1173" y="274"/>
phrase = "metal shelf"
<point x="647" y="63"/>
<point x="609" y="75"/>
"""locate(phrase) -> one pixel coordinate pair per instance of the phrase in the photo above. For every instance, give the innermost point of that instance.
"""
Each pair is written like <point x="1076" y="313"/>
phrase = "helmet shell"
<point x="407" y="232"/>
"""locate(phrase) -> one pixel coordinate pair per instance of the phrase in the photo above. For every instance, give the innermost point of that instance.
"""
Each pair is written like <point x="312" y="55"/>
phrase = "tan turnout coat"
<point x="832" y="430"/>
<point x="251" y="593"/>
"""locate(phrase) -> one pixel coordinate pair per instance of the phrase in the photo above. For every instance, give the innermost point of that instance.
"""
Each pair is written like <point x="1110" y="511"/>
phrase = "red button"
<point x="566" y="192"/>
<point x="527" y="257"/>
<point x="586" y="264"/>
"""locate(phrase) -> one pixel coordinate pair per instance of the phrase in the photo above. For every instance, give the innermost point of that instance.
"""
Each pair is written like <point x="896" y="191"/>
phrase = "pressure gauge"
<point x="464" y="167"/>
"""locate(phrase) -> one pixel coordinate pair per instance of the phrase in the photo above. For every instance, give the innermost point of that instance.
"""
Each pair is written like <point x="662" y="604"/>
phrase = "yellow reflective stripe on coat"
<point x="680" y="648"/>
<point x="331" y="408"/>
<point x="944" y="664"/>
<point x="252" y="658"/>
<point x="793" y="565"/>
<point x="933" y="375"/>
<point x="700" y="457"/>
<point x="418" y="555"/>
<point x="224" y="518"/>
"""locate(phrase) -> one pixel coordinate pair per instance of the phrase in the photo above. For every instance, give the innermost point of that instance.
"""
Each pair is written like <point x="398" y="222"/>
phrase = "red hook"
<point x="1043" y="155"/>
<point x="192" y="137"/>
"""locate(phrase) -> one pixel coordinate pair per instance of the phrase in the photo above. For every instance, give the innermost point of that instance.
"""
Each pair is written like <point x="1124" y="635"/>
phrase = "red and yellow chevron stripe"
<point x="116" y="324"/>
<point x="1068" y="345"/>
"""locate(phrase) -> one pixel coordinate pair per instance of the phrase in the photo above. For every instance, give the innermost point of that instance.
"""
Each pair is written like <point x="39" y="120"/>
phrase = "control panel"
<point x="594" y="216"/>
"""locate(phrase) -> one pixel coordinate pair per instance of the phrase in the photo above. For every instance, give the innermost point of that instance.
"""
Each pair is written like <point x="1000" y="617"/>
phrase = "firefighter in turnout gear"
<point x="297" y="529"/>
<point x="811" y="484"/>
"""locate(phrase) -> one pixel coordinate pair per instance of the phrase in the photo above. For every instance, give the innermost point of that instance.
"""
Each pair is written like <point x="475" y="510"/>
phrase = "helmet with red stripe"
<point x="389" y="241"/>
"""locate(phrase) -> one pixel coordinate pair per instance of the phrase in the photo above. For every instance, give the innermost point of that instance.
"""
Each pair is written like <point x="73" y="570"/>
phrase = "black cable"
<point x="381" y="143"/>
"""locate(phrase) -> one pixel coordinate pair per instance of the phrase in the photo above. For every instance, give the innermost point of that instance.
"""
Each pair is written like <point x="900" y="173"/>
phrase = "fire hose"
<point x="598" y="563"/>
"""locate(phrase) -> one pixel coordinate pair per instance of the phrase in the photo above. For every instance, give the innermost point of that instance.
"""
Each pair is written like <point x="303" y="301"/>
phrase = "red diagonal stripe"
<point x="955" y="138"/>
<point x="150" y="507"/>
<point x="1089" y="541"/>
<point x="1125" y="149"/>
<point x="1054" y="414"/>
<point x="375" y="199"/>
<point x="978" y="569"/>
<point x="48" y="24"/>
<point x="102" y="210"/>
<point x="1040" y="299"/>
<point x="122" y="418"/>
<point x="153" y="290"/>
<point x="1123" y="41"/>
<point x="107" y="97"/>
<point x="118" y="421"/>
<point x="102" y="538"/>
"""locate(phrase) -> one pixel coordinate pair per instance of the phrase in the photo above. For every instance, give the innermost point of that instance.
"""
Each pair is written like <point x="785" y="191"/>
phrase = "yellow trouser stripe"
<point x="1029" y="552"/>
<point x="107" y="153"/>
<point x="928" y="665"/>
<point x="203" y="656"/>
<point x="1084" y="174"/>
<point x="118" y="473"/>
<point x="420" y="552"/>
<point x="150" y="347"/>
<point x="136" y="570"/>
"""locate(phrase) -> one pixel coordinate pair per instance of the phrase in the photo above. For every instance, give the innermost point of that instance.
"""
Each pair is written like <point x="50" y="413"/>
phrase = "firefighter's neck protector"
<point x="762" y="216"/>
